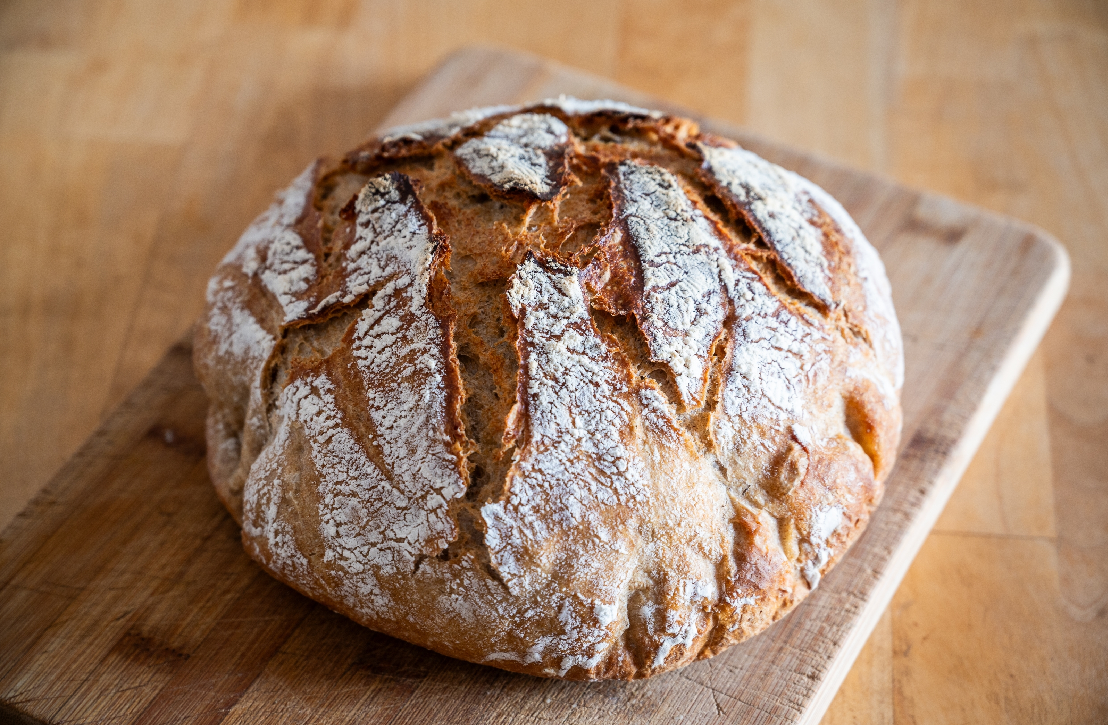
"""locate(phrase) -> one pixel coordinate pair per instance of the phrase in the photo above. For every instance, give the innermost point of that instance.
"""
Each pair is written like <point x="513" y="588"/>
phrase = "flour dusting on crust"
<point x="682" y="265"/>
<point x="467" y="443"/>
<point x="393" y="239"/>
<point x="777" y="360"/>
<point x="588" y="489"/>
<point x="267" y="529"/>
<point x="272" y="249"/>
<point x="399" y="349"/>
<point x="823" y="524"/>
<point x="577" y="408"/>
<point x="574" y="476"/>
<point x="376" y="518"/>
<point x="239" y="337"/>
<point x="442" y="128"/>
<point x="580" y="107"/>
<point x="515" y="154"/>
<point x="775" y="204"/>
<point x="881" y="317"/>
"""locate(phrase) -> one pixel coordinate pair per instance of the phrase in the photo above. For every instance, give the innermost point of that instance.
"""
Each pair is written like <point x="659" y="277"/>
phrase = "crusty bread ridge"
<point x="572" y="389"/>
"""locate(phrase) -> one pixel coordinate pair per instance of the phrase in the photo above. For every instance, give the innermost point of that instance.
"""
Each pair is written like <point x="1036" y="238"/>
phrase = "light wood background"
<point x="125" y="125"/>
<point x="106" y="623"/>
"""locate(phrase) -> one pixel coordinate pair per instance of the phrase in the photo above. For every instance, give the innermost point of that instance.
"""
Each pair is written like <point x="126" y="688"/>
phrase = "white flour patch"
<point x="875" y="287"/>
<point x="449" y="127"/>
<point x="243" y="347"/>
<point x="271" y="249"/>
<point x="823" y="524"/>
<point x="574" y="479"/>
<point x="240" y="340"/>
<point x="289" y="270"/>
<point x="578" y="107"/>
<point x="442" y="128"/>
<point x="680" y="625"/>
<point x="679" y="631"/>
<point x="513" y="154"/>
<point x="399" y="354"/>
<point x="776" y="360"/>
<point x="577" y="404"/>
<point x="776" y="202"/>
<point x="361" y="515"/>
<point x="262" y="497"/>
<point x="375" y="521"/>
<point x="682" y="264"/>
<point x="399" y="350"/>
<point x="392" y="241"/>
<point x="803" y="435"/>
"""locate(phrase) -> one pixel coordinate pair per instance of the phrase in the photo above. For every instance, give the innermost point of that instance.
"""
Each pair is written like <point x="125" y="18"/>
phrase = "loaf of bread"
<point x="570" y="389"/>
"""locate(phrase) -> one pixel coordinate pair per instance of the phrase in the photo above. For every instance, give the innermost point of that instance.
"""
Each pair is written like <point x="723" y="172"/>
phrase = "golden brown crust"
<point x="572" y="390"/>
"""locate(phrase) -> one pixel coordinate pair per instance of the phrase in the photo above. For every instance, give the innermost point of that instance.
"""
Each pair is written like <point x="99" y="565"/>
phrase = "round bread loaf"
<point x="571" y="389"/>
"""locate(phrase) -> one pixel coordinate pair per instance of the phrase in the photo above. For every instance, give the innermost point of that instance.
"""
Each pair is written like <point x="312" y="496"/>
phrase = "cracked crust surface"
<point x="571" y="390"/>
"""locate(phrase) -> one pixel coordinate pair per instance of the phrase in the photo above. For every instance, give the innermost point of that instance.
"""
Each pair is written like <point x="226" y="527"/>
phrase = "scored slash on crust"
<point x="524" y="153"/>
<point x="698" y="427"/>
<point x="685" y="272"/>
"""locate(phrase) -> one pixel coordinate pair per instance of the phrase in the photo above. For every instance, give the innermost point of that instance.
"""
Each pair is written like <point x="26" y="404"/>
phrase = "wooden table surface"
<point x="138" y="139"/>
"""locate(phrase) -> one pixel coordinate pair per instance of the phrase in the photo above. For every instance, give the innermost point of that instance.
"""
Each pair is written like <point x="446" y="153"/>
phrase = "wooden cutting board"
<point x="125" y="594"/>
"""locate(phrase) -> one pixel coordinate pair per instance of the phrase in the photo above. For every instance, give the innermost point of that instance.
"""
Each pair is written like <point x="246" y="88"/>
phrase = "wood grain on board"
<point x="131" y="599"/>
<point x="128" y="127"/>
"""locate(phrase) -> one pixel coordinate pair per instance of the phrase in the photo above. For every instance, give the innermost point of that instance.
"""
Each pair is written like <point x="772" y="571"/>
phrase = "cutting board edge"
<point x="1014" y="361"/>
